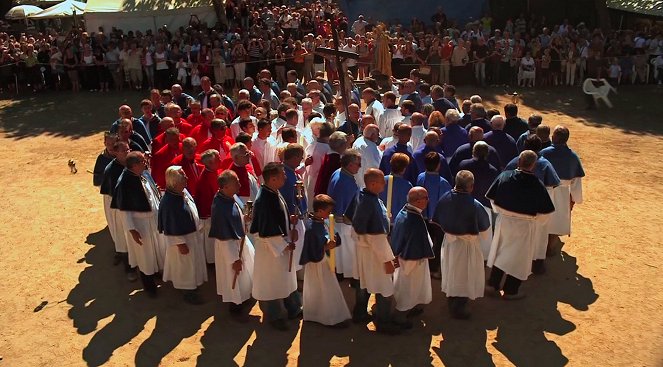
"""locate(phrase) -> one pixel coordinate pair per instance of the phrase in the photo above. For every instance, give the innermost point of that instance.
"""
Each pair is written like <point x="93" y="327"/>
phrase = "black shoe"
<point x="404" y="325"/>
<point x="388" y="328"/>
<point x="538" y="267"/>
<point x="193" y="298"/>
<point x="415" y="312"/>
<point x="279" y="324"/>
<point x="362" y="319"/>
<point x="117" y="259"/>
<point x="339" y="277"/>
<point x="296" y="315"/>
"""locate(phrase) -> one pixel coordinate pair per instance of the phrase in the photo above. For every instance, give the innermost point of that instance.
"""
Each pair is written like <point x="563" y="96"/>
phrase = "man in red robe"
<point x="218" y="141"/>
<point x="248" y="181"/>
<point x="338" y="143"/>
<point x="206" y="189"/>
<point x="175" y="112"/>
<point x="195" y="118"/>
<point x="202" y="131"/>
<point x="162" y="159"/>
<point x="189" y="162"/>
<point x="160" y="140"/>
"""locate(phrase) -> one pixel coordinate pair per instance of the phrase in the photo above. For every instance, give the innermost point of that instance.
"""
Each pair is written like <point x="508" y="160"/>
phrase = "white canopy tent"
<point x="145" y="14"/>
<point x="22" y="12"/>
<point x="65" y="9"/>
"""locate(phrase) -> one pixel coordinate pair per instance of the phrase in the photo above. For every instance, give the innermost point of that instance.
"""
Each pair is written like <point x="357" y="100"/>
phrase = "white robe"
<point x="318" y="151"/>
<point x="463" y="273"/>
<point x="512" y="249"/>
<point x="186" y="271"/>
<point x="412" y="284"/>
<point x="264" y="150"/>
<point x="560" y="220"/>
<point x="387" y="120"/>
<point x="417" y="139"/>
<point x="323" y="299"/>
<point x="150" y="256"/>
<point x="373" y="251"/>
<point x="271" y="278"/>
<point x="346" y="254"/>
<point x="541" y="232"/>
<point x="376" y="109"/>
<point x="226" y="253"/>
<point x="115" y="226"/>
<point x="371" y="156"/>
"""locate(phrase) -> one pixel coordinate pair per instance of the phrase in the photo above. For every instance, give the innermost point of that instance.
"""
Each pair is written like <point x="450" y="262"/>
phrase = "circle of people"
<point x="385" y="198"/>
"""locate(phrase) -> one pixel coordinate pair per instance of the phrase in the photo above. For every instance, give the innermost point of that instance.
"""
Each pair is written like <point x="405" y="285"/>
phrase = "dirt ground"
<point x="63" y="303"/>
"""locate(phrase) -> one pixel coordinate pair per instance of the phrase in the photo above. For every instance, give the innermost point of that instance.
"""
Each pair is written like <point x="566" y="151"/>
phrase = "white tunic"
<point x="186" y="271"/>
<point x="323" y="299"/>
<point x="387" y="120"/>
<point x="346" y="254"/>
<point x="371" y="156"/>
<point x="463" y="273"/>
<point x="271" y="278"/>
<point x="417" y="139"/>
<point x="560" y="221"/>
<point x="512" y="249"/>
<point x="115" y="227"/>
<point x="264" y="150"/>
<point x="148" y="257"/>
<point x="376" y="109"/>
<point x="541" y="232"/>
<point x="412" y="285"/>
<point x="226" y="253"/>
<point x="208" y="242"/>
<point x="373" y="251"/>
<point x="317" y="151"/>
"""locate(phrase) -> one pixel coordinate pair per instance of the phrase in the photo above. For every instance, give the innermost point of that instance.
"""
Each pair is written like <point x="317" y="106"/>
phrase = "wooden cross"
<point x="340" y="57"/>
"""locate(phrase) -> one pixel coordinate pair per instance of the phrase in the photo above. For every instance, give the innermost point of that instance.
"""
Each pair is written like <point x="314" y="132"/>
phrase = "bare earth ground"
<point x="599" y="304"/>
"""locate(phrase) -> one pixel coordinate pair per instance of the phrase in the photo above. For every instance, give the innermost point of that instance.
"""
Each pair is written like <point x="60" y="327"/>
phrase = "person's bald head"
<point x="417" y="119"/>
<point x="527" y="160"/>
<point x="497" y="122"/>
<point x="431" y="139"/>
<point x="367" y="120"/>
<point x="374" y="180"/>
<point x="476" y="134"/>
<point x="372" y="132"/>
<point x="166" y="123"/>
<point x="125" y="112"/>
<point x="418" y="197"/>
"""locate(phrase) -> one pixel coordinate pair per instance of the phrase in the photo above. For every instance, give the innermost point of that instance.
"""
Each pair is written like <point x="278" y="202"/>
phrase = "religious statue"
<point x="382" y="54"/>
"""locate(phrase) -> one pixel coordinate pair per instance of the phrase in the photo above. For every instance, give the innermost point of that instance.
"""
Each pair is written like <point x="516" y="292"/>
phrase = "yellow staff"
<point x="332" y="237"/>
<point x="390" y="192"/>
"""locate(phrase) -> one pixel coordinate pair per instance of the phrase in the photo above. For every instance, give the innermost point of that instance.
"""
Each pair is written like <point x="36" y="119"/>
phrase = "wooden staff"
<point x="332" y="237"/>
<point x="248" y="211"/>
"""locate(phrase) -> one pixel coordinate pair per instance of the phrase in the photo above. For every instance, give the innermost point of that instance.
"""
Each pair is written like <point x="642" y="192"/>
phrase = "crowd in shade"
<point x="526" y="50"/>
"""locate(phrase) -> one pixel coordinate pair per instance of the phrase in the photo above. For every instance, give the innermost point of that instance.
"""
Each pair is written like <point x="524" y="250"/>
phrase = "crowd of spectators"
<point x="527" y="50"/>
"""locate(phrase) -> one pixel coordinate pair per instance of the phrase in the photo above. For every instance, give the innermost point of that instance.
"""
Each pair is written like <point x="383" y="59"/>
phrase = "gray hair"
<point x="208" y="156"/>
<point x="452" y="116"/>
<point x="174" y="177"/>
<point x="338" y="141"/>
<point x="237" y="149"/>
<point x="497" y="122"/>
<point x="480" y="150"/>
<point x="350" y="156"/>
<point x="464" y="181"/>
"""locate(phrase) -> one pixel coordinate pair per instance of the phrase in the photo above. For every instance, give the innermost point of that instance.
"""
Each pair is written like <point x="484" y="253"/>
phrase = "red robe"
<point x="195" y="120"/>
<point x="193" y="170"/>
<point x="331" y="163"/>
<point x="160" y="161"/>
<point x="160" y="140"/>
<point x="255" y="165"/>
<point x="223" y="146"/>
<point x="184" y="127"/>
<point x="243" y="175"/>
<point x="206" y="188"/>
<point x="200" y="133"/>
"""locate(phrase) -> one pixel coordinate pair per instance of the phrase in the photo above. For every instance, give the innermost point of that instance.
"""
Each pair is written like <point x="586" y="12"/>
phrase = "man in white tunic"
<point x="375" y="260"/>
<point x="138" y="201"/>
<point x="373" y="106"/>
<point x="413" y="247"/>
<point x="569" y="192"/>
<point x="315" y="154"/>
<point x="234" y="274"/>
<point x="178" y="220"/>
<point x="274" y="276"/>
<point x="371" y="155"/>
<point x="520" y="200"/>
<point x="464" y="222"/>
